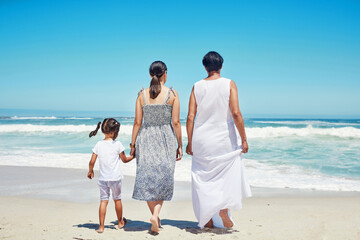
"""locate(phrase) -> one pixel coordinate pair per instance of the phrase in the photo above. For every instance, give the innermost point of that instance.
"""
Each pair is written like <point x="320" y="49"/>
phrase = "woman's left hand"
<point x="179" y="153"/>
<point x="189" y="149"/>
<point x="245" y="147"/>
<point x="132" y="152"/>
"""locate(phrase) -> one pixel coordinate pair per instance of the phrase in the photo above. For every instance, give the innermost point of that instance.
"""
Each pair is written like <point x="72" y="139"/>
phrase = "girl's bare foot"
<point x="225" y="218"/>
<point x="100" y="230"/>
<point x="154" y="224"/>
<point x="122" y="223"/>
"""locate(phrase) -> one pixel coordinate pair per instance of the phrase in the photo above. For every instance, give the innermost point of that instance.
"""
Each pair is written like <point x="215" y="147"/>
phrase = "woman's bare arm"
<point x="177" y="124"/>
<point x="190" y="121"/>
<point x="238" y="119"/>
<point x="137" y="123"/>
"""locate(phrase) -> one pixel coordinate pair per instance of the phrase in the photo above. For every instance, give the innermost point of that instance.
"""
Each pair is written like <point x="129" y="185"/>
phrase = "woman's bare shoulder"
<point x="232" y="84"/>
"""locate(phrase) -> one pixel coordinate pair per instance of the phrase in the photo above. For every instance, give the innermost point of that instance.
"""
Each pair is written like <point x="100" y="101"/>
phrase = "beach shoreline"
<point x="60" y="203"/>
<point x="67" y="184"/>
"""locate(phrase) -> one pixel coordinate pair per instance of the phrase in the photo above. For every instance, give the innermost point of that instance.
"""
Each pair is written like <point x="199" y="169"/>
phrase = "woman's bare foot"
<point x="154" y="224"/>
<point x="100" y="230"/>
<point x="225" y="218"/>
<point x="122" y="223"/>
<point x="210" y="224"/>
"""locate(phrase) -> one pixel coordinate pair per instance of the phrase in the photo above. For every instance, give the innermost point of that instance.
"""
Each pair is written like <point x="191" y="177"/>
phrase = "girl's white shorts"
<point x="105" y="187"/>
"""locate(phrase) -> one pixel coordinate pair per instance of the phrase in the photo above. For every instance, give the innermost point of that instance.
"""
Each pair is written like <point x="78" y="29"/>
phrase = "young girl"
<point x="109" y="153"/>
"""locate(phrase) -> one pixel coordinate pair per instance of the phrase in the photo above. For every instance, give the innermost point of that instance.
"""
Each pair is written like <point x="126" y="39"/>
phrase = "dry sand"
<point x="271" y="214"/>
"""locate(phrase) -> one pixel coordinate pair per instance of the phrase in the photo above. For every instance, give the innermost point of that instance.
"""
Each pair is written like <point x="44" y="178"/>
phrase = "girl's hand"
<point x="189" y="149"/>
<point x="90" y="174"/>
<point x="245" y="147"/>
<point x="179" y="153"/>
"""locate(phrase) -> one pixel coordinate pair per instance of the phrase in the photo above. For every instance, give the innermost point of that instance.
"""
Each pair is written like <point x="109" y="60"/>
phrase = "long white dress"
<point x="218" y="178"/>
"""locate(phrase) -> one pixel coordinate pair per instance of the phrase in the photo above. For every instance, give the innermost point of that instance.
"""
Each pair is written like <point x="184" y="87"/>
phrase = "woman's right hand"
<point x="179" y="153"/>
<point x="189" y="149"/>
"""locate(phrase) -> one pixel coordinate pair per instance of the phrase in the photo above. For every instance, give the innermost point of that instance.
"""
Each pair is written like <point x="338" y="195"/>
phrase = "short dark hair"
<point x="212" y="61"/>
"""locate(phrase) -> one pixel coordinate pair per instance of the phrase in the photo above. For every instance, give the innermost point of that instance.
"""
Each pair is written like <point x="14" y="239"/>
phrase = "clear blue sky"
<point x="286" y="57"/>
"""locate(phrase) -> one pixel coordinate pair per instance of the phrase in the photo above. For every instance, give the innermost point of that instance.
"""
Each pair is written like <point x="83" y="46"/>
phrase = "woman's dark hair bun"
<point x="157" y="69"/>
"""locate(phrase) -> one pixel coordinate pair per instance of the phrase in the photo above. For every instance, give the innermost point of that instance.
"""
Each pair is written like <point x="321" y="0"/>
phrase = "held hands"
<point x="90" y="174"/>
<point x="245" y="147"/>
<point x="131" y="157"/>
<point x="179" y="153"/>
<point x="132" y="151"/>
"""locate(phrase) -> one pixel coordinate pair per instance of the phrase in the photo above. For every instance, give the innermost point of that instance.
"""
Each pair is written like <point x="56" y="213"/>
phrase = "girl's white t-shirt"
<point x="108" y="152"/>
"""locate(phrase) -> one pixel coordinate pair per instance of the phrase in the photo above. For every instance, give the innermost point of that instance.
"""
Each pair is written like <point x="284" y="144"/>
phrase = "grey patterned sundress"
<point x="155" y="153"/>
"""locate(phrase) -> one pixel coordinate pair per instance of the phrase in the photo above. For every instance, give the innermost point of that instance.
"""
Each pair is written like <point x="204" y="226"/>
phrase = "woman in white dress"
<point x="218" y="179"/>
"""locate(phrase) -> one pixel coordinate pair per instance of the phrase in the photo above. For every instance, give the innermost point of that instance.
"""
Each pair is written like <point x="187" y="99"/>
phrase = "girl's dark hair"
<point x="157" y="69"/>
<point x="109" y="125"/>
<point x="212" y="61"/>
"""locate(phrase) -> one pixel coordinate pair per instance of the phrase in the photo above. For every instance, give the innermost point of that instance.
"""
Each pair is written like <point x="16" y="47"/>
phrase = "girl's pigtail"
<point x="116" y="128"/>
<point x="93" y="133"/>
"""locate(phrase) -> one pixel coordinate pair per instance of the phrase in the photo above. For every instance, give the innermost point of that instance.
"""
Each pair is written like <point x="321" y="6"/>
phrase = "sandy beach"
<point x="53" y="203"/>
<point x="245" y="93"/>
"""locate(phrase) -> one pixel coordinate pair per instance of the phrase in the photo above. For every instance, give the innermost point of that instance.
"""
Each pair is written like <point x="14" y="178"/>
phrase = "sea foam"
<point x="310" y="123"/>
<point x="259" y="174"/>
<point x="273" y="132"/>
<point x="33" y="118"/>
<point x="252" y="132"/>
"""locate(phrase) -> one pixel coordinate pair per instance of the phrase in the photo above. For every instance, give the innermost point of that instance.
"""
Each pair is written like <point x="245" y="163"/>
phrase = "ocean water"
<point x="283" y="153"/>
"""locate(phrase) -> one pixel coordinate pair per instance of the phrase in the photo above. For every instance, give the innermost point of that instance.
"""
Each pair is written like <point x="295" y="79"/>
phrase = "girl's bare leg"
<point x="118" y="209"/>
<point x="155" y="207"/>
<point x="102" y="212"/>
<point x="225" y="218"/>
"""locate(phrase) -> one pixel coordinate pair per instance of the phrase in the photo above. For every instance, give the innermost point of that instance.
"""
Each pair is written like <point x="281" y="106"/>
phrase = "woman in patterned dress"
<point x="156" y="142"/>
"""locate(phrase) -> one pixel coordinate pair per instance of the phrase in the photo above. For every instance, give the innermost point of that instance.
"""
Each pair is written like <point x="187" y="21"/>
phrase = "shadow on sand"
<point x="93" y="226"/>
<point x="139" y="226"/>
<point x="135" y="225"/>
<point x="219" y="231"/>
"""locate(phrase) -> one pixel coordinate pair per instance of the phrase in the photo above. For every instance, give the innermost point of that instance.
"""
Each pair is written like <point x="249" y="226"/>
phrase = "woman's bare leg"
<point x="210" y="224"/>
<point x="225" y="218"/>
<point x="152" y="212"/>
<point x="155" y="207"/>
